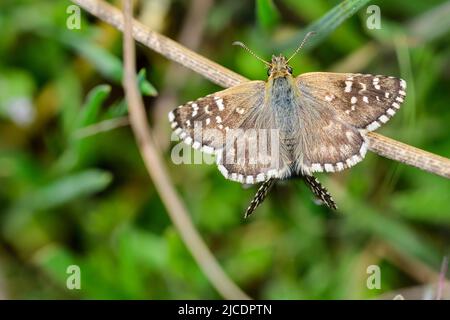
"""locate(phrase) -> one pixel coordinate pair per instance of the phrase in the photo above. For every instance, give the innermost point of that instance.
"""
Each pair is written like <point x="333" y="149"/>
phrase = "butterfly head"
<point x="279" y="67"/>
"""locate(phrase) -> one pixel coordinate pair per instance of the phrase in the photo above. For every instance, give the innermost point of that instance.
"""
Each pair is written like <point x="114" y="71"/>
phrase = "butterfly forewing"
<point x="364" y="101"/>
<point x="215" y="114"/>
<point x="233" y="125"/>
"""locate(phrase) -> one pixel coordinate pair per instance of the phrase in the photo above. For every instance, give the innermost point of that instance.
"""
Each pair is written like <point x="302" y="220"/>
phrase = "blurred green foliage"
<point x="86" y="200"/>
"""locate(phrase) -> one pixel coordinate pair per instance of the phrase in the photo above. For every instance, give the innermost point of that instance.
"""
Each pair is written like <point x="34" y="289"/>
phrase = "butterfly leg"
<point x="320" y="191"/>
<point x="259" y="196"/>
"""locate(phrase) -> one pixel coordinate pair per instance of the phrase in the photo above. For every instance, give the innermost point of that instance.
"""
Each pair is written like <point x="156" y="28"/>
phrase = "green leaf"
<point x="66" y="189"/>
<point x="54" y="261"/>
<point x="117" y="109"/>
<point x="388" y="229"/>
<point x="325" y="25"/>
<point x="68" y="88"/>
<point x="432" y="24"/>
<point x="267" y="14"/>
<point x="145" y="86"/>
<point x="106" y="63"/>
<point x="102" y="60"/>
<point x="90" y="111"/>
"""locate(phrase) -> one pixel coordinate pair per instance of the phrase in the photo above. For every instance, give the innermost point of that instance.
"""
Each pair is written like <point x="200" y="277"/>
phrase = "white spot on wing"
<point x="363" y="150"/>
<point x="348" y="86"/>
<point x="240" y="110"/>
<point x="208" y="149"/>
<point x="373" y="126"/>
<point x="272" y="173"/>
<point x="223" y="170"/>
<point x="383" y="118"/>
<point x="219" y="102"/>
<point x="403" y="83"/>
<point x="349" y="135"/>
<point x="329" y="97"/>
<point x="260" y="177"/>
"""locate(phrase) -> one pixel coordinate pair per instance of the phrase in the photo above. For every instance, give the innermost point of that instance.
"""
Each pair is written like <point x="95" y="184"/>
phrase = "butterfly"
<point x="320" y="120"/>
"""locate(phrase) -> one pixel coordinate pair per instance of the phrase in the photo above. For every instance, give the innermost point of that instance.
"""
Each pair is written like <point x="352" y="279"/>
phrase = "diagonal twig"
<point x="224" y="77"/>
<point x="158" y="172"/>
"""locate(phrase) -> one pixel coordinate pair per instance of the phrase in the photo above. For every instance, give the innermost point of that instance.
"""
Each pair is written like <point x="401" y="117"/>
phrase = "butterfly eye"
<point x="289" y="69"/>
<point x="269" y="71"/>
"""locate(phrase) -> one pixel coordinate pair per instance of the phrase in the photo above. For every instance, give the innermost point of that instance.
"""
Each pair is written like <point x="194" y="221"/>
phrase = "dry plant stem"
<point x="158" y="173"/>
<point x="441" y="283"/>
<point x="167" y="47"/>
<point x="176" y="76"/>
<point x="384" y="146"/>
<point x="409" y="264"/>
<point x="402" y="152"/>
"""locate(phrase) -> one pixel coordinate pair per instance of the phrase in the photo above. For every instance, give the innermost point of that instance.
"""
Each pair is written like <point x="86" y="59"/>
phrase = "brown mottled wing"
<point x="234" y="114"/>
<point x="325" y="141"/>
<point x="335" y="111"/>
<point x="364" y="101"/>
<point x="203" y="123"/>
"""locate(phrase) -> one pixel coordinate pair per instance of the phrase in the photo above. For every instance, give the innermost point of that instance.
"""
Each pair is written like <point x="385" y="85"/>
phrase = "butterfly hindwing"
<point x="326" y="142"/>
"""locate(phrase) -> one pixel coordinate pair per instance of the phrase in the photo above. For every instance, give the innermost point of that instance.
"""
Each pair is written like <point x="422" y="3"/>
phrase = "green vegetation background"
<point x="68" y="196"/>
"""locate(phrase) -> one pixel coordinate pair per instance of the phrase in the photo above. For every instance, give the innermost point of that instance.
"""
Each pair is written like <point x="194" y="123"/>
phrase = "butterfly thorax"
<point x="282" y="95"/>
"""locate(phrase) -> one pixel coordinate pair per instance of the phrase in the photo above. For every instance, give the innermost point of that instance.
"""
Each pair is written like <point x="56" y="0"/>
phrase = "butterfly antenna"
<point x="240" y="44"/>
<point x="309" y="34"/>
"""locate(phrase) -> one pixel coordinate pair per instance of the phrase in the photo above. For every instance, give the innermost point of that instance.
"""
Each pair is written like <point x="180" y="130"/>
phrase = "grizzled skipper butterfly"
<point x="321" y="119"/>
